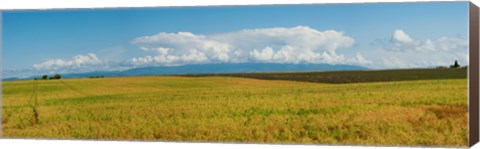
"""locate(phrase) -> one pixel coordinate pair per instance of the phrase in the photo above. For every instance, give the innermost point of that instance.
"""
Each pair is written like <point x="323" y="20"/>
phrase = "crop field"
<point x="354" y="76"/>
<point x="234" y="109"/>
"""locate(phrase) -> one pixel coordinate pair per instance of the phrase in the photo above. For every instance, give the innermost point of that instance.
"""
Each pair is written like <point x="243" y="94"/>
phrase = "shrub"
<point x="57" y="76"/>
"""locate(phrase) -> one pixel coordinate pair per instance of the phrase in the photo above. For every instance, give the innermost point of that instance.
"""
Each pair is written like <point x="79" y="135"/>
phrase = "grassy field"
<point x="231" y="109"/>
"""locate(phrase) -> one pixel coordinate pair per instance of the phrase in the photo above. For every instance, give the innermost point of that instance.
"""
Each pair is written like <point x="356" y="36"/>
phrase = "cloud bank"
<point x="402" y="42"/>
<point x="78" y="63"/>
<point x="403" y="51"/>
<point x="299" y="44"/>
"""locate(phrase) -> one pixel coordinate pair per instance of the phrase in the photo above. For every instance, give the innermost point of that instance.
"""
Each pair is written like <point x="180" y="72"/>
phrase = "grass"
<point x="230" y="109"/>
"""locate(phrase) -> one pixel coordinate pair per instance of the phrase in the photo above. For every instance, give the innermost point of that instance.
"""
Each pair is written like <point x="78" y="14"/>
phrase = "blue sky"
<point x="375" y="35"/>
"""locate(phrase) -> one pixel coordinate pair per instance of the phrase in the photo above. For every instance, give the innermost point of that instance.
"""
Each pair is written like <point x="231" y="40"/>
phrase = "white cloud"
<point x="402" y="42"/>
<point x="299" y="44"/>
<point x="78" y="62"/>
<point x="361" y="60"/>
<point x="406" y="52"/>
<point x="184" y="46"/>
<point x="402" y="37"/>
<point x="265" y="55"/>
<point x="164" y="57"/>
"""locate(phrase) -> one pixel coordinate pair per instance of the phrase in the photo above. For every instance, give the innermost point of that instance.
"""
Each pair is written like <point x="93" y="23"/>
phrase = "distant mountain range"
<point x="210" y="69"/>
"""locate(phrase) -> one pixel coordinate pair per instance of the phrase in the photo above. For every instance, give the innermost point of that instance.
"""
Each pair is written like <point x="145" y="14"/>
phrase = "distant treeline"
<point x="58" y="76"/>
<point x="45" y="77"/>
<point x="96" y="77"/>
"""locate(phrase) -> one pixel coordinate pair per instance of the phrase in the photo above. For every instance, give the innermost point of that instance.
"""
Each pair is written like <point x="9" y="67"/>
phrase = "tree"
<point x="455" y="65"/>
<point x="44" y="77"/>
<point x="96" y="76"/>
<point x="57" y="76"/>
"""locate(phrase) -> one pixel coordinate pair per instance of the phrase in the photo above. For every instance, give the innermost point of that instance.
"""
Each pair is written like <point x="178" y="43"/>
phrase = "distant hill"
<point x="236" y="68"/>
<point x="211" y="69"/>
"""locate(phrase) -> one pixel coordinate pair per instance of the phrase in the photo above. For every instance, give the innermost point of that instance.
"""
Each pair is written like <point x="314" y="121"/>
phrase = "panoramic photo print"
<point x="343" y="74"/>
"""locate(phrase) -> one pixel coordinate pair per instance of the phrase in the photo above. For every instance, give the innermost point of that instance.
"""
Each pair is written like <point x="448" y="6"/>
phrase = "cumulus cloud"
<point x="402" y="42"/>
<point x="79" y="62"/>
<point x="263" y="55"/>
<point x="183" y="47"/>
<point x="402" y="37"/>
<point x="299" y="44"/>
<point x="407" y="52"/>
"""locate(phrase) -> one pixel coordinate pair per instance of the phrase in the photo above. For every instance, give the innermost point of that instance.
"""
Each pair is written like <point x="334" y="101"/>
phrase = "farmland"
<point x="354" y="76"/>
<point x="217" y="108"/>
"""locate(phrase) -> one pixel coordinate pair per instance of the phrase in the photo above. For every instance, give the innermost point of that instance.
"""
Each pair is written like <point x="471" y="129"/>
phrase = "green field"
<point x="233" y="109"/>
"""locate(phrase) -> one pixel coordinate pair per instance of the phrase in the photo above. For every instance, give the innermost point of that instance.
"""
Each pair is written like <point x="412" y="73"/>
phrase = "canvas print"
<point x="342" y="74"/>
